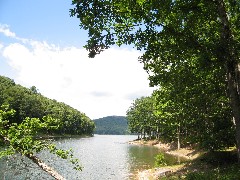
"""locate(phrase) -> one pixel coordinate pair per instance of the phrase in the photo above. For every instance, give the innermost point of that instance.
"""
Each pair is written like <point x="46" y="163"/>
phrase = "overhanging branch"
<point x="39" y="162"/>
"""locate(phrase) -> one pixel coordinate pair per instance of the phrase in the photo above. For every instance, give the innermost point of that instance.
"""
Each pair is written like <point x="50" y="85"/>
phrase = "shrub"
<point x="160" y="160"/>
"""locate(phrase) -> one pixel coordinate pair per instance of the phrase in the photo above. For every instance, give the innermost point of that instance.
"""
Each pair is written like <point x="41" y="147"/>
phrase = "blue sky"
<point x="42" y="20"/>
<point x="41" y="45"/>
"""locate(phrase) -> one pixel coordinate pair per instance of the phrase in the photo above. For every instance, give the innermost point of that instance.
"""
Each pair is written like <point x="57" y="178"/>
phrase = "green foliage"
<point x="190" y="50"/>
<point x="160" y="160"/>
<point x="167" y="30"/>
<point x="141" y="116"/>
<point x="61" y="118"/>
<point x="163" y="116"/>
<point x="111" y="125"/>
<point x="20" y="138"/>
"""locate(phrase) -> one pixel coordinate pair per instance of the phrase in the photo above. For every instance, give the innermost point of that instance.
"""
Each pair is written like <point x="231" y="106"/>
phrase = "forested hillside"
<point x="30" y="103"/>
<point x="111" y="125"/>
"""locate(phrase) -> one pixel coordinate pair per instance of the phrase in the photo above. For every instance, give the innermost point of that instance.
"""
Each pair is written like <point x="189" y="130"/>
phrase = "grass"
<point x="218" y="165"/>
<point x="232" y="172"/>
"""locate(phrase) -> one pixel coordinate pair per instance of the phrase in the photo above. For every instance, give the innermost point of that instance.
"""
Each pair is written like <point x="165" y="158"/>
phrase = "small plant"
<point x="160" y="160"/>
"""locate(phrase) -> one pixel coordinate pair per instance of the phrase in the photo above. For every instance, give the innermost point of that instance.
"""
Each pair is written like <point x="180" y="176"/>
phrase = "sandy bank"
<point x="188" y="153"/>
<point x="155" y="173"/>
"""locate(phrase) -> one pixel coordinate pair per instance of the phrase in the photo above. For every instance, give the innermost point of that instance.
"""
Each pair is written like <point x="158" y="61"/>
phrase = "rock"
<point x="160" y="172"/>
<point x="153" y="174"/>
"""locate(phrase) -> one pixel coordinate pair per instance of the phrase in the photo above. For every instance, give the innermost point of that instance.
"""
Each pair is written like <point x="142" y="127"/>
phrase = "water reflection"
<point x="142" y="156"/>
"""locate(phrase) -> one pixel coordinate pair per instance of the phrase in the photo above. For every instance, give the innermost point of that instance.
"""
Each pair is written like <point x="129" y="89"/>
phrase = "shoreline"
<point x="57" y="136"/>
<point x="186" y="152"/>
<point x="155" y="173"/>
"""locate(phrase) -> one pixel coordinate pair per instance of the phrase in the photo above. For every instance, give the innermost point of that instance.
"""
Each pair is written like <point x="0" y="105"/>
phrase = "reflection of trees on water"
<point x="141" y="157"/>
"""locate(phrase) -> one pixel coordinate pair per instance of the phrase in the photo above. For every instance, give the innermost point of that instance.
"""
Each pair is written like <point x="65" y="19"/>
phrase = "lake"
<point x="102" y="157"/>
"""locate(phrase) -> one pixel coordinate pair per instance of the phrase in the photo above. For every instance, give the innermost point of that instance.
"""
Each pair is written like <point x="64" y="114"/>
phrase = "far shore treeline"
<point x="28" y="102"/>
<point x="111" y="125"/>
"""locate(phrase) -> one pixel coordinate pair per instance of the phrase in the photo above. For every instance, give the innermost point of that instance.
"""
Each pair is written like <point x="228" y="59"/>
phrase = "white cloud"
<point x="6" y="31"/>
<point x="98" y="87"/>
<point x="1" y="46"/>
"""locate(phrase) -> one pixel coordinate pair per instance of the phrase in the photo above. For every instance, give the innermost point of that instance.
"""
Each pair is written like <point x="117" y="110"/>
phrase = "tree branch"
<point x="45" y="167"/>
<point x="39" y="162"/>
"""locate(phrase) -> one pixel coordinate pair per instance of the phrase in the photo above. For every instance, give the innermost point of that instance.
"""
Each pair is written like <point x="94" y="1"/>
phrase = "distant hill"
<point x="111" y="125"/>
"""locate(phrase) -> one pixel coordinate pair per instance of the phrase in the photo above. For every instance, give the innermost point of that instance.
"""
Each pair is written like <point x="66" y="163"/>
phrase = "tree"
<point x="34" y="89"/>
<point x="141" y="117"/>
<point x="202" y="35"/>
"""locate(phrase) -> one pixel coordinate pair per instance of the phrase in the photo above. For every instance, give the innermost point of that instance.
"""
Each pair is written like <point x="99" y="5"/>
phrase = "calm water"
<point x="102" y="156"/>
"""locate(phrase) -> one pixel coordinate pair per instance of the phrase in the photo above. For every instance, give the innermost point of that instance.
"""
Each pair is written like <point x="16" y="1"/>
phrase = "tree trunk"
<point x="144" y="134"/>
<point x="40" y="163"/>
<point x="235" y="102"/>
<point x="178" y="136"/>
<point x="232" y="71"/>
<point x="45" y="167"/>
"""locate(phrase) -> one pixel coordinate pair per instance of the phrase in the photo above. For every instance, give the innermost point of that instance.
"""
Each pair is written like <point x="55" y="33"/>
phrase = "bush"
<point x="160" y="160"/>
